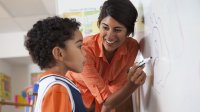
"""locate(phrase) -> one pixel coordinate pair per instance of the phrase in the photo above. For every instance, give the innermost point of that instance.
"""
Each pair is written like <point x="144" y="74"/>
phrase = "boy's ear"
<point x="57" y="53"/>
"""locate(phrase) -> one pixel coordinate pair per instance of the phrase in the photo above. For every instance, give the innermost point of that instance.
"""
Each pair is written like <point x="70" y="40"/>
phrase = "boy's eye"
<point x="80" y="46"/>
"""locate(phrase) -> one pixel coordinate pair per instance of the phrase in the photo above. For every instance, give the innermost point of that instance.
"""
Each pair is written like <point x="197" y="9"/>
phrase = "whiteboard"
<point x="171" y="36"/>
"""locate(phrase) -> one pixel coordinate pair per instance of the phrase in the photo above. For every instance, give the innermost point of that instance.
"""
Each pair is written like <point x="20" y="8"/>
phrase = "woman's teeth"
<point x="110" y="42"/>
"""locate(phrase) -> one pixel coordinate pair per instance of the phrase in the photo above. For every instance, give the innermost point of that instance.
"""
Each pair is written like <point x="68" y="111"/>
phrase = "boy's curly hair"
<point x="47" y="34"/>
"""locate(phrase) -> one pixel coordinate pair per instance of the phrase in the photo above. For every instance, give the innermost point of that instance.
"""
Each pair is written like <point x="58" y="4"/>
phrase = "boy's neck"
<point x="57" y="70"/>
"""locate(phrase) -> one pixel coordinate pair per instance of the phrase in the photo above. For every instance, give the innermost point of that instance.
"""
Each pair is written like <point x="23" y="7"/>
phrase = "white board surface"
<point x="172" y="38"/>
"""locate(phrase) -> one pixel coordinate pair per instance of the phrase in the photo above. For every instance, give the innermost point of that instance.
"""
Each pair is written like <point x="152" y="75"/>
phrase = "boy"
<point x="55" y="45"/>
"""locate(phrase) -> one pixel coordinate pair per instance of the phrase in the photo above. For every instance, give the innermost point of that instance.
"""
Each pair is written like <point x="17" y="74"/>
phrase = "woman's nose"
<point x="110" y="34"/>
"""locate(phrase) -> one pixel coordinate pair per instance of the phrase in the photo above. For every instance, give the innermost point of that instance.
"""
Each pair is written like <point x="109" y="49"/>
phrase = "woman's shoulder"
<point x="132" y="43"/>
<point x="92" y="43"/>
<point x="91" y="39"/>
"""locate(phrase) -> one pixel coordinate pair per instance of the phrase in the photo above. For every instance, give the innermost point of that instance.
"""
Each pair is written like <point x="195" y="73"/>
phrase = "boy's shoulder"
<point x="58" y="89"/>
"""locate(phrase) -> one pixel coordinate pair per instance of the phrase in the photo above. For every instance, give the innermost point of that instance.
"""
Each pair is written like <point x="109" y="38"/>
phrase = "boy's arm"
<point x="136" y="78"/>
<point x="57" y="99"/>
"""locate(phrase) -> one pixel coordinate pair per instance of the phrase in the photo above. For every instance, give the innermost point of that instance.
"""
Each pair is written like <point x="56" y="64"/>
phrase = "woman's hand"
<point x="136" y="77"/>
<point x="136" y="74"/>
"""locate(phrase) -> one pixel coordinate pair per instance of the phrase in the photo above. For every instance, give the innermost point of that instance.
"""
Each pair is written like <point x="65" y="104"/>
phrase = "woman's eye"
<point x="117" y="30"/>
<point x="106" y="28"/>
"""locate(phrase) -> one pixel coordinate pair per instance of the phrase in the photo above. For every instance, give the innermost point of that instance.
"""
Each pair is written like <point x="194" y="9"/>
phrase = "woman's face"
<point x="113" y="33"/>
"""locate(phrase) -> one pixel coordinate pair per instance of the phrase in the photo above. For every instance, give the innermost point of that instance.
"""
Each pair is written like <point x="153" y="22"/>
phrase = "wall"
<point x="32" y="68"/>
<point x="5" y="67"/>
<point x="20" y="78"/>
<point x="171" y="37"/>
<point x="18" y="74"/>
<point x="12" y="45"/>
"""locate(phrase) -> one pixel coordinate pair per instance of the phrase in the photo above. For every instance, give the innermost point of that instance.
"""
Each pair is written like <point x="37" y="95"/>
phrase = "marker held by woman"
<point x="141" y="63"/>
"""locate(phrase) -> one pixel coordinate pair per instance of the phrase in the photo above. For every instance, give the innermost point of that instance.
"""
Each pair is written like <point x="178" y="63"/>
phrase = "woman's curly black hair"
<point x="47" y="34"/>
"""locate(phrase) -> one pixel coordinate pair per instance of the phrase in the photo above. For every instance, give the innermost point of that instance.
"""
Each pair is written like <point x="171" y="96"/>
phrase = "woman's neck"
<point x="109" y="55"/>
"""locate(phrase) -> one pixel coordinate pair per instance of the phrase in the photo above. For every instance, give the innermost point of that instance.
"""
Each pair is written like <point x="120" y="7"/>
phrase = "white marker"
<point x="141" y="63"/>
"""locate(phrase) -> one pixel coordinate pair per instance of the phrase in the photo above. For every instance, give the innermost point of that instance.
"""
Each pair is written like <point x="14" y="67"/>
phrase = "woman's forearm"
<point x="118" y="97"/>
<point x="136" y="77"/>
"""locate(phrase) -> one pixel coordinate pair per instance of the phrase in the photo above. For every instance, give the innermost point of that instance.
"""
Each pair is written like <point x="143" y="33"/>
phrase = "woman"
<point x="109" y="55"/>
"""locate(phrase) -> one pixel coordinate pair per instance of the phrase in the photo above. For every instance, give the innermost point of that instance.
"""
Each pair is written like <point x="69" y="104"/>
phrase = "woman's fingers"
<point x="136" y="74"/>
<point x="141" y="79"/>
<point x="132" y="70"/>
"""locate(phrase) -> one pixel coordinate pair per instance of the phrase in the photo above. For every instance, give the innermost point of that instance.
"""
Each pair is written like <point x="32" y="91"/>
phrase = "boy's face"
<point x="73" y="54"/>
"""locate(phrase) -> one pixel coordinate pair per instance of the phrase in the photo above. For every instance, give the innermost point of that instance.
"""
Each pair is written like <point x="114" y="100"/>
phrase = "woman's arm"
<point x="136" y="78"/>
<point x="93" y="80"/>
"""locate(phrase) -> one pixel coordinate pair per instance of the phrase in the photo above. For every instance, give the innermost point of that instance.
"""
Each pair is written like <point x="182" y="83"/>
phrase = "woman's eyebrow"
<point x="105" y="24"/>
<point x="114" y="27"/>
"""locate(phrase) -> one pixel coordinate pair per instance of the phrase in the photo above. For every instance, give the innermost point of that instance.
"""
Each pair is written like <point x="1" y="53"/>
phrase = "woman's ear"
<point x="57" y="53"/>
<point x="128" y="34"/>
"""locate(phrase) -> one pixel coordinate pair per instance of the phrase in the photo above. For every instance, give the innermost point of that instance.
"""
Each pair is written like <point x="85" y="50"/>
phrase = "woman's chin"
<point x="110" y="48"/>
